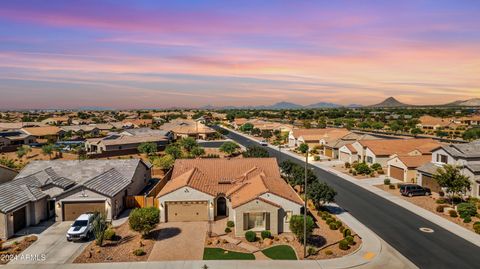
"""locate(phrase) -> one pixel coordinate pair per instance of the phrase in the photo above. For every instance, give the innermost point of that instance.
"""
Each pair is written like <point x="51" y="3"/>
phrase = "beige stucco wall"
<point x="186" y="194"/>
<point x="3" y="226"/>
<point x="78" y="195"/>
<point x="286" y="205"/>
<point x="140" y="179"/>
<point x="256" y="206"/>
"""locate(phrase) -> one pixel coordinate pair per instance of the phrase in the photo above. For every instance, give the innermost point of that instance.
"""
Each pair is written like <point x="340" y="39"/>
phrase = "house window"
<point x="441" y="158"/>
<point x="369" y="159"/>
<point x="256" y="220"/>
<point x="288" y="216"/>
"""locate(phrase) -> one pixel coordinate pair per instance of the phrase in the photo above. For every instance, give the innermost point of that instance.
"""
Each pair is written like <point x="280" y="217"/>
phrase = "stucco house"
<point x="182" y="128"/>
<point x="65" y="189"/>
<point x="250" y="192"/>
<point x="12" y="139"/>
<point x="117" y="144"/>
<point x="464" y="156"/>
<point x="404" y="167"/>
<point x="314" y="137"/>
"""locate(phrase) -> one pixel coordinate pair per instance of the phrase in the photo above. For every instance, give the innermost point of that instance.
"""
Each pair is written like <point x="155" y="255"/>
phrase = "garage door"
<point x="329" y="152"/>
<point x="19" y="219"/>
<point x="71" y="210"/>
<point x="430" y="183"/>
<point x="187" y="211"/>
<point x="396" y="172"/>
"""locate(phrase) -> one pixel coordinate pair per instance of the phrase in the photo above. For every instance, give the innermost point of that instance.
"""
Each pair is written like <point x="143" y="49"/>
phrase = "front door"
<point x="221" y="206"/>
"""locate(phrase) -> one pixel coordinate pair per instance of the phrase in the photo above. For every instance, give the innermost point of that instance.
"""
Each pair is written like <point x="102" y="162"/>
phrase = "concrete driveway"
<point x="179" y="241"/>
<point x="52" y="245"/>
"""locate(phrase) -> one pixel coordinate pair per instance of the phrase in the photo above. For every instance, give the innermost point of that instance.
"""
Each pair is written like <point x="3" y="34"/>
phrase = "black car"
<point x="414" y="190"/>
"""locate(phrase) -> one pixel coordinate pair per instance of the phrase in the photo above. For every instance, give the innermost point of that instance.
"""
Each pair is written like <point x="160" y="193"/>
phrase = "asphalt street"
<point x="394" y="224"/>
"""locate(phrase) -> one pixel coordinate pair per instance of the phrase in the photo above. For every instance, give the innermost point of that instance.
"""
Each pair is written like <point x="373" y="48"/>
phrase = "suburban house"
<point x="404" y="167"/>
<point x="147" y="131"/>
<point x="348" y="153"/>
<point x="381" y="150"/>
<point x="7" y="174"/>
<point x="314" y="137"/>
<point x="188" y="128"/>
<point x="57" y="121"/>
<point x="122" y="144"/>
<point x="81" y="130"/>
<point x="263" y="125"/>
<point x="464" y="156"/>
<point x="250" y="192"/>
<point x="11" y="140"/>
<point x="332" y="145"/>
<point x="137" y="123"/>
<point x="45" y="134"/>
<point x="430" y="125"/>
<point x="66" y="189"/>
<point x="4" y="126"/>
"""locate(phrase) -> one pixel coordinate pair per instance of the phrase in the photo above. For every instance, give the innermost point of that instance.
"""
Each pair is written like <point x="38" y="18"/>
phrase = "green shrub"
<point x="386" y="181"/>
<point x="354" y="172"/>
<point x="333" y="226"/>
<point x="350" y="240"/>
<point x="330" y="220"/>
<point x="266" y="234"/>
<point x="139" y="252"/>
<point x="296" y="226"/>
<point x="312" y="250"/>
<point x="347" y="232"/>
<point x="466" y="210"/>
<point x="316" y="158"/>
<point x="347" y="165"/>
<point x="250" y="236"/>
<point x="343" y="245"/>
<point x="227" y="230"/>
<point x="376" y="166"/>
<point x="441" y="201"/>
<point x="440" y="208"/>
<point x="476" y="227"/>
<point x="341" y="229"/>
<point x="109" y="234"/>
<point x="324" y="217"/>
<point x="453" y="213"/>
<point x="144" y="219"/>
<point x="467" y="219"/>
<point x="230" y="224"/>
<point x="362" y="168"/>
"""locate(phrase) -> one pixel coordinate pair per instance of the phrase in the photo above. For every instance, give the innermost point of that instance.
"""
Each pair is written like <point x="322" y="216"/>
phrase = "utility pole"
<point x="305" y="209"/>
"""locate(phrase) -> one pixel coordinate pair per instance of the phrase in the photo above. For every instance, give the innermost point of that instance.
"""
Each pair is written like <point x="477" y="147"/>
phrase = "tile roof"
<point x="110" y="183"/>
<point x="387" y="147"/>
<point x="241" y="179"/>
<point x="145" y="131"/>
<point x="433" y="121"/>
<point x="469" y="150"/>
<point x="186" y="127"/>
<point x="42" y="131"/>
<point x="113" y="140"/>
<point x="76" y="128"/>
<point x="317" y="134"/>
<point x="414" y="161"/>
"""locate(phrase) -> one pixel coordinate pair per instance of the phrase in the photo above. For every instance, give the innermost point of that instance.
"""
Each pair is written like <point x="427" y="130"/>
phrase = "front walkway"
<point x="178" y="241"/>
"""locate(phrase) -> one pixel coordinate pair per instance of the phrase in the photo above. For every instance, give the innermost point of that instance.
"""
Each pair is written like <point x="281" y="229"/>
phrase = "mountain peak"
<point x="390" y="102"/>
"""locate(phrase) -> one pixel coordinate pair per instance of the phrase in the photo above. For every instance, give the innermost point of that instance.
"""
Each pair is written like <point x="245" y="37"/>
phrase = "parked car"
<point x="414" y="190"/>
<point x="263" y="143"/>
<point x="81" y="228"/>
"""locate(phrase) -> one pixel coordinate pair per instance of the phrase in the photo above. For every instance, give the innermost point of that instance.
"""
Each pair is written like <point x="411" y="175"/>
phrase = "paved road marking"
<point x="426" y="230"/>
<point x="369" y="255"/>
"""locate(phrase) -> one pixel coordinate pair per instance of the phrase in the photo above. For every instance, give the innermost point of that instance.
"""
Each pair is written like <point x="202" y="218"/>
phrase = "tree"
<point x="144" y="220"/>
<point x="23" y="150"/>
<point x="197" y="151"/>
<point x="188" y="143"/>
<point x="416" y="131"/>
<point x="296" y="226"/>
<point x="472" y="134"/>
<point x="303" y="148"/>
<point x="48" y="150"/>
<point x="450" y="178"/>
<point x="255" y="131"/>
<point x="267" y="134"/>
<point x="256" y="152"/>
<point x="148" y="148"/>
<point x="247" y="127"/>
<point x="229" y="147"/>
<point x="174" y="151"/>
<point x="99" y="225"/>
<point x="321" y="193"/>
<point x="165" y="162"/>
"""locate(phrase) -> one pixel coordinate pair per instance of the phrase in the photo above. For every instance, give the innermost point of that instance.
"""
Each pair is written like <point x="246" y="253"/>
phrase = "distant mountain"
<point x="323" y="105"/>
<point x="390" y="102"/>
<point x="284" y="105"/>
<point x="469" y="102"/>
<point x="354" y="105"/>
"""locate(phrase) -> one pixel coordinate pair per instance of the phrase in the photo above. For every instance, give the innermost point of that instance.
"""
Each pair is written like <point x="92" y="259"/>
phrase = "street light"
<point x="305" y="209"/>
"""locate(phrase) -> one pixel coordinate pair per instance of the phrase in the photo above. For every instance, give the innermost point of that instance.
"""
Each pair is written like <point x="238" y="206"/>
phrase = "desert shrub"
<point x="230" y="224"/>
<point x="466" y="210"/>
<point x="453" y="213"/>
<point x="354" y="172"/>
<point x="109" y="234"/>
<point x="341" y="229"/>
<point x="343" y="245"/>
<point x="386" y="181"/>
<point x="362" y="168"/>
<point x="441" y="201"/>
<point x="347" y="165"/>
<point x="227" y="230"/>
<point x="350" y="240"/>
<point x="476" y="227"/>
<point x="440" y="208"/>
<point x="376" y="166"/>
<point x="350" y="170"/>
<point x="312" y="250"/>
<point x="144" y="220"/>
<point x="333" y="226"/>
<point x="329" y="220"/>
<point x="296" y="226"/>
<point x="266" y="234"/>
<point x="99" y="226"/>
<point x="328" y="252"/>
<point x="467" y="219"/>
<point x="316" y="158"/>
<point x="139" y="252"/>
<point x="250" y="236"/>
<point x="347" y="232"/>
<point x="441" y="193"/>
<point x="392" y="187"/>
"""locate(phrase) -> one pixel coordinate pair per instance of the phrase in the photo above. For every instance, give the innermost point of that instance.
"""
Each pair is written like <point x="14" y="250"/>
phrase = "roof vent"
<point x="225" y="181"/>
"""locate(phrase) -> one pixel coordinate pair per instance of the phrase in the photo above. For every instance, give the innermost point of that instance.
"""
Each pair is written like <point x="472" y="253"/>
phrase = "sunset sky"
<point x="160" y="54"/>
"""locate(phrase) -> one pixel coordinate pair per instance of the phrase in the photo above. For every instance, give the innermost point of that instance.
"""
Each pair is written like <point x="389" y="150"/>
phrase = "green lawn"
<point x="282" y="252"/>
<point x="219" y="254"/>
